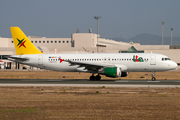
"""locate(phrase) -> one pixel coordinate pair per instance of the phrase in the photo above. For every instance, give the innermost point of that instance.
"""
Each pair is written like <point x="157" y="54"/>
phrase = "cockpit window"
<point x="165" y="59"/>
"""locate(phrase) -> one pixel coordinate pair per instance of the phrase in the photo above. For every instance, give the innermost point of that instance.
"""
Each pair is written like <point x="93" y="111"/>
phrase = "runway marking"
<point x="41" y="80"/>
<point x="121" y="81"/>
<point x="153" y="81"/>
<point x="55" y="80"/>
<point x="134" y="81"/>
<point x="32" y="80"/>
<point x="91" y="85"/>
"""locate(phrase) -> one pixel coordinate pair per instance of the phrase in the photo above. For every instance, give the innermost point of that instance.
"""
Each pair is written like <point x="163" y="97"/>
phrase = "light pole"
<point x="171" y="35"/>
<point x="162" y="31"/>
<point x="97" y="18"/>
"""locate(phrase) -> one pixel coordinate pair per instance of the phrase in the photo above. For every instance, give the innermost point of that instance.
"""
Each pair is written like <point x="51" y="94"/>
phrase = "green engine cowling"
<point x="114" y="72"/>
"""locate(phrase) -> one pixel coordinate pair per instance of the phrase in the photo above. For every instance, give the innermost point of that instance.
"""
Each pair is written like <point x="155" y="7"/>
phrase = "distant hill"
<point x="118" y="39"/>
<point x="149" y="39"/>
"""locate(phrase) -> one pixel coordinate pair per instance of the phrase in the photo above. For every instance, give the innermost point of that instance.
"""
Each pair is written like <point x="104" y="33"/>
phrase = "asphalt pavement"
<point x="88" y="83"/>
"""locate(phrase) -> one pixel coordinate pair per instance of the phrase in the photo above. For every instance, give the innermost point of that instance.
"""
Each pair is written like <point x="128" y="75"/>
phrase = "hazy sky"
<point x="61" y="18"/>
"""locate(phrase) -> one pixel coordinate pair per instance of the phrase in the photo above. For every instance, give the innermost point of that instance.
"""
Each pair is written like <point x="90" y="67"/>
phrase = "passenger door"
<point x="153" y="60"/>
<point x="40" y="60"/>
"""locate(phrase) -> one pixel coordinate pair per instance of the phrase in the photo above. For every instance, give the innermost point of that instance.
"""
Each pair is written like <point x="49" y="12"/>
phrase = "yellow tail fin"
<point x="21" y="42"/>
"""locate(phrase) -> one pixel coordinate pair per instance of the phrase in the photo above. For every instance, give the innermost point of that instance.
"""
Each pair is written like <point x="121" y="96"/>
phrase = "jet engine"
<point x="113" y="72"/>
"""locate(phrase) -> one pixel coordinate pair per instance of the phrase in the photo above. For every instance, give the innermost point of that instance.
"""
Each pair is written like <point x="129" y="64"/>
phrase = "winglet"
<point x="21" y="42"/>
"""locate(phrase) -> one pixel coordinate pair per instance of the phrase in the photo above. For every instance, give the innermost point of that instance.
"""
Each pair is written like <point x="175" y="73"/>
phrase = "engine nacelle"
<point x="112" y="72"/>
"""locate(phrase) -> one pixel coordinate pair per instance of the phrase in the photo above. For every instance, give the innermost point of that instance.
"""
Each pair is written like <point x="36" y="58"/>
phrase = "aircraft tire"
<point x="92" y="78"/>
<point x="98" y="77"/>
<point x="153" y="79"/>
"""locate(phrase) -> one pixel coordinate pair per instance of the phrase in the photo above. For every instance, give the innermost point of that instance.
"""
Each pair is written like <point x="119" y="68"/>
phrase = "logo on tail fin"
<point x="21" y="43"/>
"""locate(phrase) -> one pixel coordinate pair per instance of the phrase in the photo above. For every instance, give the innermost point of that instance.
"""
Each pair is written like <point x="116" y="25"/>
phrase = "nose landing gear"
<point x="153" y="78"/>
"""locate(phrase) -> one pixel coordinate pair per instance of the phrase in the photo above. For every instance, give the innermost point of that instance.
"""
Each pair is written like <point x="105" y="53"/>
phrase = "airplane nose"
<point x="174" y="65"/>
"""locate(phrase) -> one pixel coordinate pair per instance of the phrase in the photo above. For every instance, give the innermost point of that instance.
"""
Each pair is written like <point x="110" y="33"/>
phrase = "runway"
<point x="88" y="83"/>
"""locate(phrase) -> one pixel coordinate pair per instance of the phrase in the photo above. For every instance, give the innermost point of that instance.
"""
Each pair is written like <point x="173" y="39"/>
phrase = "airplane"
<point x="110" y="64"/>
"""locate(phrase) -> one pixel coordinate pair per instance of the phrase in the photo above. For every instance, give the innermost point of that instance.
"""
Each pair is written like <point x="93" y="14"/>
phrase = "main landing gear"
<point x="97" y="77"/>
<point x="153" y="78"/>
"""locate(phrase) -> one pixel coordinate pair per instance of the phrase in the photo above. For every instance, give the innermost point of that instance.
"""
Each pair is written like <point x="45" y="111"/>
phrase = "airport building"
<point x="83" y="43"/>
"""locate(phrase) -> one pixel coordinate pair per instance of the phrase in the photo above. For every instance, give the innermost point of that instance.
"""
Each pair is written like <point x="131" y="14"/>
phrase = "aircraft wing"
<point x="89" y="66"/>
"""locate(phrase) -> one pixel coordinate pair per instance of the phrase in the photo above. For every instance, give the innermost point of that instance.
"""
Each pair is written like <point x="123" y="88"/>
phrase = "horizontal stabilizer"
<point x="17" y="58"/>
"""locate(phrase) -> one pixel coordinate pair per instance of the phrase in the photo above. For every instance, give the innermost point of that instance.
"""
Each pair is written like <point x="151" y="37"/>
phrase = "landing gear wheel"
<point x="92" y="77"/>
<point x="98" y="77"/>
<point x="153" y="78"/>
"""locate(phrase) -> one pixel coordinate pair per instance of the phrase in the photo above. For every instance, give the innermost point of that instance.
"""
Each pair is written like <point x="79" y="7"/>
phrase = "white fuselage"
<point x="128" y="62"/>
